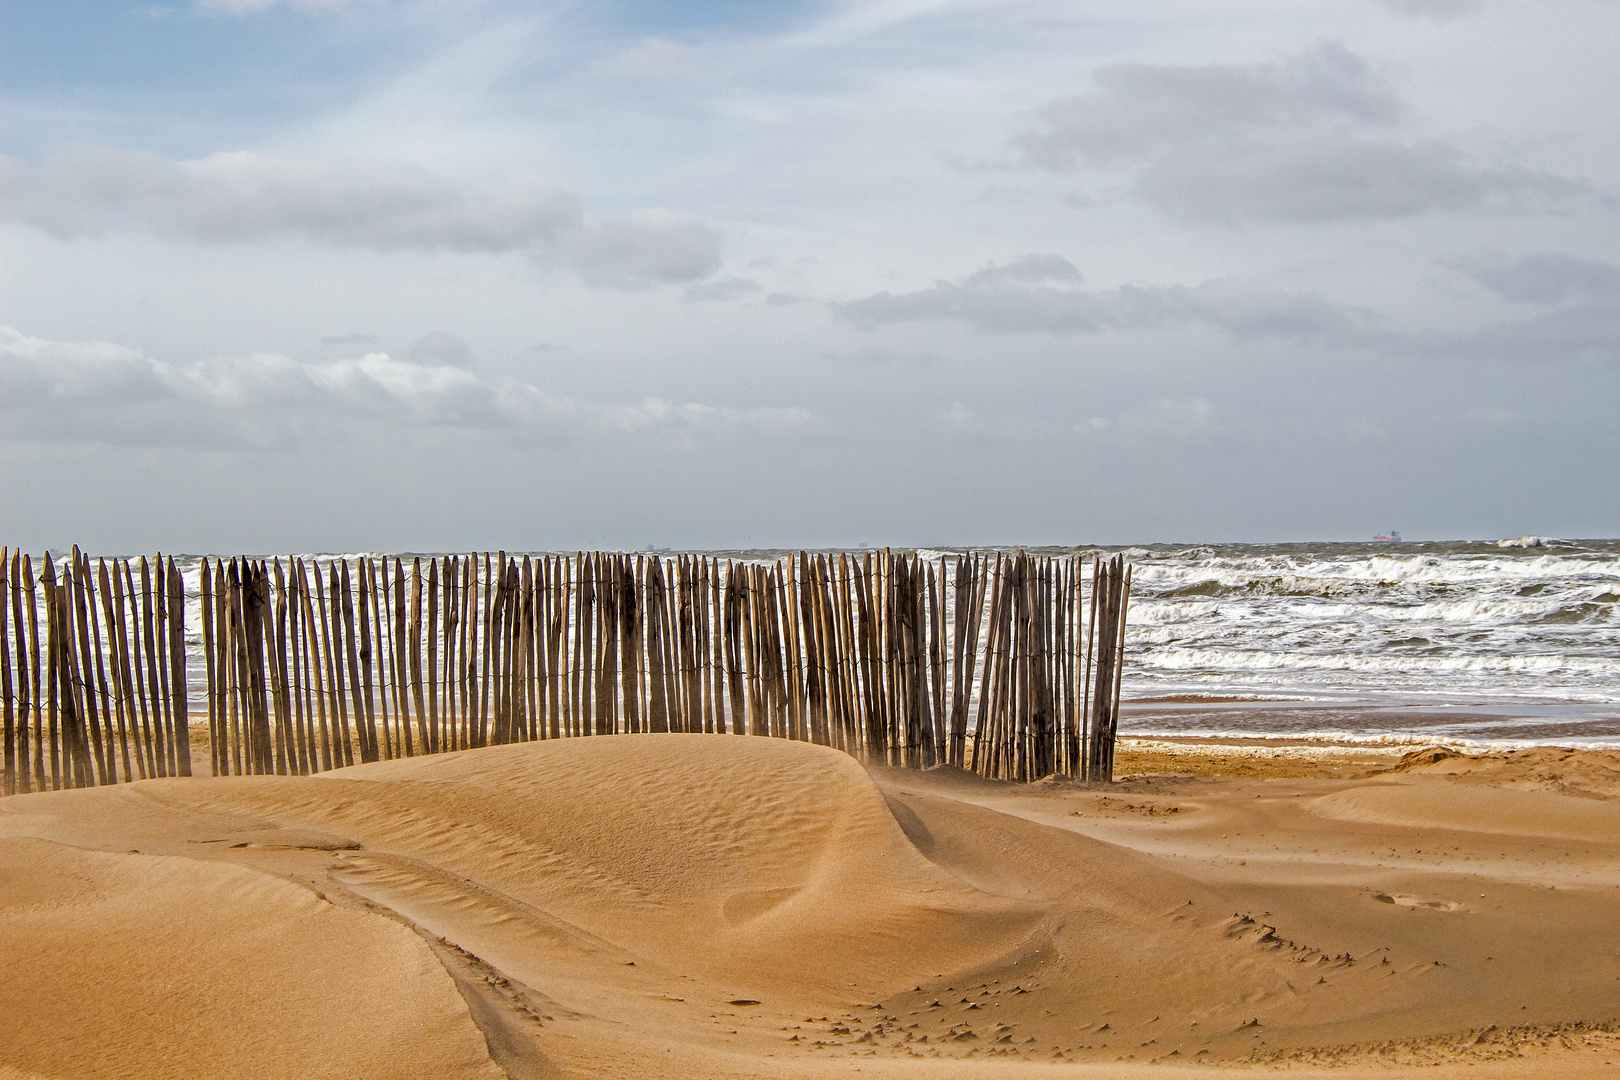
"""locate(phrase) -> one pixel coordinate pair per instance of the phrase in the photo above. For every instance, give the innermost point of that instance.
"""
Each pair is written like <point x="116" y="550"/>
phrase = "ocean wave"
<point x="1382" y="570"/>
<point x="1394" y="741"/>
<point x="1171" y="659"/>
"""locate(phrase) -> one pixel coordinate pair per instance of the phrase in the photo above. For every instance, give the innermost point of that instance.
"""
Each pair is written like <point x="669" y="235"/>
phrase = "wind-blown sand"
<point x="707" y="906"/>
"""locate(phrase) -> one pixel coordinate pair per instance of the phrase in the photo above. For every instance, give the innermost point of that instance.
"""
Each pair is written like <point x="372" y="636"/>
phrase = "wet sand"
<point x="710" y="906"/>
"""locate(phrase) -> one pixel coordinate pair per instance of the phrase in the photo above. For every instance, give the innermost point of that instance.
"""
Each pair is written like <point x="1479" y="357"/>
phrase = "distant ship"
<point x="1391" y="537"/>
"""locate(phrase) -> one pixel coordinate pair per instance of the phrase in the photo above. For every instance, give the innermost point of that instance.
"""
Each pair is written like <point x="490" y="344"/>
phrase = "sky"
<point x="435" y="275"/>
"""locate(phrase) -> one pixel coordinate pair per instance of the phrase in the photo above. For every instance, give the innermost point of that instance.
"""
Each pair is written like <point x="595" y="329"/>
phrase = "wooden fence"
<point x="1005" y="664"/>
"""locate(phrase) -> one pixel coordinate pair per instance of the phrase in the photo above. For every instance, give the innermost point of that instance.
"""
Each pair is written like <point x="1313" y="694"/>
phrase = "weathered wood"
<point x="772" y="690"/>
<point x="207" y="608"/>
<point x="129" y="663"/>
<point x="152" y="703"/>
<point x="512" y="665"/>
<point x="31" y="603"/>
<point x="129" y="731"/>
<point x="465" y="620"/>
<point x="107" y="755"/>
<point x="455" y="634"/>
<point x="223" y="665"/>
<point x="705" y="646"/>
<point x="630" y="648"/>
<point x="26" y="690"/>
<point x="524" y="645"/>
<point x="714" y="695"/>
<point x="11" y="787"/>
<point x="81" y="656"/>
<point x="314" y="674"/>
<point x="486" y="620"/>
<point x="177" y="670"/>
<point x="584" y="650"/>
<point x="557" y="647"/>
<point x="1123" y="604"/>
<point x="275" y="633"/>
<point x="303" y="757"/>
<point x="657" y="620"/>
<point x="1007" y="666"/>
<point x="607" y="626"/>
<point x="319" y="665"/>
<point x="258" y="754"/>
<point x="111" y="681"/>
<point x="332" y="643"/>
<point x="160" y="597"/>
<point x="690" y="664"/>
<point x="53" y="646"/>
<point x="528" y="709"/>
<point x="235" y="647"/>
<point x="814" y="676"/>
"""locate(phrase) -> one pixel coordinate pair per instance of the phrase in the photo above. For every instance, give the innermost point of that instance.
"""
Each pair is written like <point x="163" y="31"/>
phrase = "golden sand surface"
<point x="700" y="906"/>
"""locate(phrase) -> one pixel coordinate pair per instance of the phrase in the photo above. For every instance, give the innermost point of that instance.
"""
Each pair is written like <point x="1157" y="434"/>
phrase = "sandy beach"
<point x="714" y="906"/>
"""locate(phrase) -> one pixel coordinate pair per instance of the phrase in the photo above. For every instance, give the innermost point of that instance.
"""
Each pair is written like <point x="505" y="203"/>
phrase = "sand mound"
<point x="706" y="906"/>
<point x="1589" y="773"/>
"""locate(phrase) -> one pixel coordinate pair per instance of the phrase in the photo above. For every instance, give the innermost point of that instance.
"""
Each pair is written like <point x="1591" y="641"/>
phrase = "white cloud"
<point x="80" y="191"/>
<point x="57" y="391"/>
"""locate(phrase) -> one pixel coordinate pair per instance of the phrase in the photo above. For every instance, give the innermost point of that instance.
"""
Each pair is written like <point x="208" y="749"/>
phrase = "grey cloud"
<point x="642" y="247"/>
<point x="1011" y="299"/>
<point x="1309" y="138"/>
<point x="1326" y="178"/>
<point x="1436" y="9"/>
<point x="93" y="392"/>
<point x="1544" y="278"/>
<point x="1580" y="332"/>
<point x="1138" y="109"/>
<point x="82" y="191"/>
<point x="878" y="358"/>
<point x="1173" y="419"/>
<point x="723" y="289"/>
<point x="440" y="349"/>
<point x="1026" y="270"/>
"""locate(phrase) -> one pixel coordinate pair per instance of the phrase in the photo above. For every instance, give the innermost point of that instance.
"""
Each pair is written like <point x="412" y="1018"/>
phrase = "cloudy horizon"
<point x="453" y="274"/>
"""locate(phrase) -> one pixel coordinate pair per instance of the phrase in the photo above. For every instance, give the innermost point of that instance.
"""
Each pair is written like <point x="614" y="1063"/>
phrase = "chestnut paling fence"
<point x="1005" y="664"/>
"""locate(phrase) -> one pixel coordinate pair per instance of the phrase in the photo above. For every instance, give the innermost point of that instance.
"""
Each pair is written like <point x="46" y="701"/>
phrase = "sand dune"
<point x="706" y="906"/>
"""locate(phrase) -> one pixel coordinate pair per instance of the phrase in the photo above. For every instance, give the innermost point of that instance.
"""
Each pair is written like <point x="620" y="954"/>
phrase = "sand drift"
<point x="695" y="905"/>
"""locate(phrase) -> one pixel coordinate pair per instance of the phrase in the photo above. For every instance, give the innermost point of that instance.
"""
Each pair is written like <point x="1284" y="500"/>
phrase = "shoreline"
<point x="1250" y="757"/>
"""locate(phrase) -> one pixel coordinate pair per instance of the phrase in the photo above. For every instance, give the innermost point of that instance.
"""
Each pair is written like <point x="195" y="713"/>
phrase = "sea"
<point x="1469" y="643"/>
